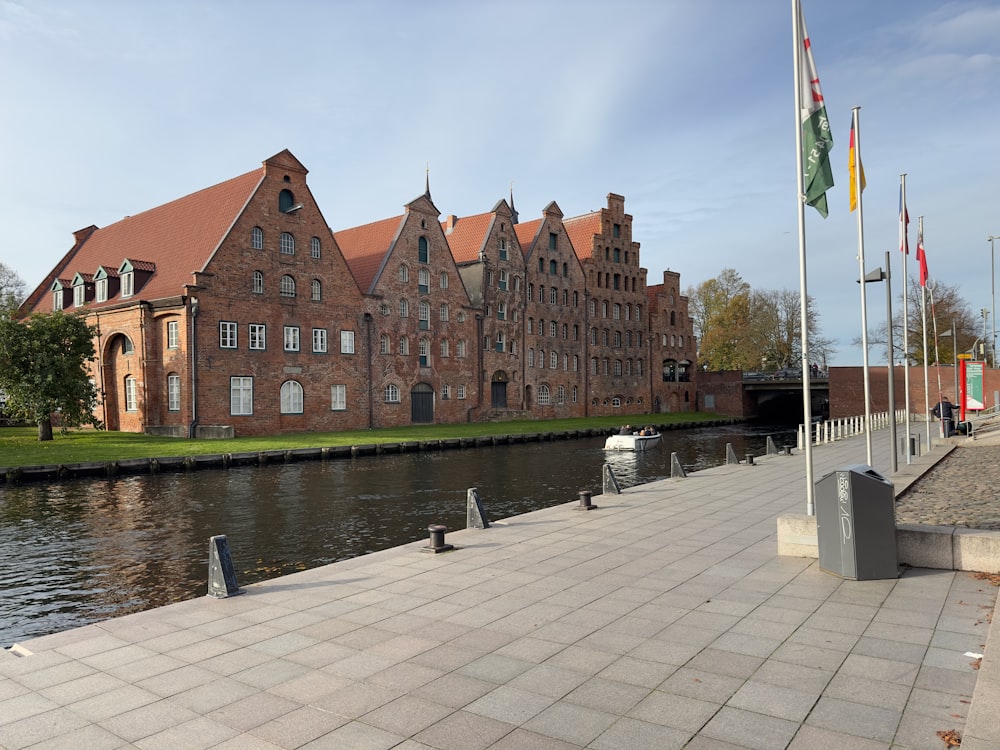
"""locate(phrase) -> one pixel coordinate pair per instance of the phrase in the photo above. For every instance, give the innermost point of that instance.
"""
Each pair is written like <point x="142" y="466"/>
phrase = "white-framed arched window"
<point x="291" y="397"/>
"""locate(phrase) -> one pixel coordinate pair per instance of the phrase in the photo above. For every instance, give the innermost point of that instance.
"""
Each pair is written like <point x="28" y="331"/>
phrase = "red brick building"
<point x="236" y="311"/>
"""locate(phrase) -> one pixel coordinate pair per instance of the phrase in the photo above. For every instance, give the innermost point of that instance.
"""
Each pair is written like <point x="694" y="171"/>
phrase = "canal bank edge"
<point x="918" y="546"/>
<point x="130" y="466"/>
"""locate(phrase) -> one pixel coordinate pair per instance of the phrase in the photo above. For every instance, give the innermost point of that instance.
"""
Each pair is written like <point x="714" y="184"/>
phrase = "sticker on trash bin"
<point x="843" y="498"/>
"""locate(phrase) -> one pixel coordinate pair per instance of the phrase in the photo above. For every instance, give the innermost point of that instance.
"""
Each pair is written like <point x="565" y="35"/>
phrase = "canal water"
<point x="80" y="551"/>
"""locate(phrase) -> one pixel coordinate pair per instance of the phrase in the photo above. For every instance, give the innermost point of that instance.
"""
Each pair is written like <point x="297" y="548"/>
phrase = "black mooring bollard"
<point x="437" y="539"/>
<point x="221" y="573"/>
<point x="585" y="503"/>
<point x="749" y="459"/>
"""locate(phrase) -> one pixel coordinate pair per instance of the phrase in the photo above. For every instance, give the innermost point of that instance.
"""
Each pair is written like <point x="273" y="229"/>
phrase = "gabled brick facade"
<point x="236" y="311"/>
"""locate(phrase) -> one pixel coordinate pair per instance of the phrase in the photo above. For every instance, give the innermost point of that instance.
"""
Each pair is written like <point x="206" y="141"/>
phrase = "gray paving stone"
<point x="870" y="722"/>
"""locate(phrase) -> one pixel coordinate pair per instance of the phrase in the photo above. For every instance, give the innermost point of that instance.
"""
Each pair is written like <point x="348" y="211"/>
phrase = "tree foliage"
<point x="43" y="370"/>
<point x="12" y="290"/>
<point x="944" y="306"/>
<point x="740" y="328"/>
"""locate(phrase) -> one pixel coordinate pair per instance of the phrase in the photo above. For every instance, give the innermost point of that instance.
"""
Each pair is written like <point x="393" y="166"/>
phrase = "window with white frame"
<point x="291" y="338"/>
<point x="101" y="290"/>
<point x="227" y="334"/>
<point x="258" y="336"/>
<point x="128" y="284"/>
<point x="384" y="309"/>
<point x="503" y="248"/>
<point x="338" y="397"/>
<point x="424" y="315"/>
<point x="461" y="349"/>
<point x="617" y="311"/>
<point x="79" y="294"/>
<point x="618" y="368"/>
<point x="173" y="334"/>
<point x="173" y="392"/>
<point x="424" y="349"/>
<point x="240" y="396"/>
<point x="561" y="395"/>
<point x="347" y="342"/>
<point x="404" y="346"/>
<point x="131" y="394"/>
<point x="404" y="273"/>
<point x="553" y="329"/>
<point x="127" y="346"/>
<point x="444" y="349"/>
<point x="423" y="281"/>
<point x="444" y="311"/>
<point x="501" y="311"/>
<point x="461" y="392"/>
<point x="384" y="345"/>
<point x="257" y="238"/>
<point x="554" y="360"/>
<point x="319" y="340"/>
<point x="445" y="392"/>
<point x="391" y="394"/>
<point x="531" y="357"/>
<point x="504" y="279"/>
<point x="287" y="286"/>
<point x="316" y="290"/>
<point x="444" y="280"/>
<point x="553" y="296"/>
<point x="258" y="282"/>
<point x="287" y="244"/>
<point x="315" y="248"/>
<point x="543" y="395"/>
<point x="291" y="397"/>
<point x="501" y="343"/>
<point x="404" y="308"/>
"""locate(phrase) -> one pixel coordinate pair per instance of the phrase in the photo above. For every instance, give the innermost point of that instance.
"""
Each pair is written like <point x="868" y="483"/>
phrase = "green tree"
<point x="740" y="328"/>
<point x="11" y="290"/>
<point x="43" y="370"/>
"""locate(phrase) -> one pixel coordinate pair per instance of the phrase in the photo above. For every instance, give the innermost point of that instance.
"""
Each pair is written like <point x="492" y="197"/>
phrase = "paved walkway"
<point x="662" y="619"/>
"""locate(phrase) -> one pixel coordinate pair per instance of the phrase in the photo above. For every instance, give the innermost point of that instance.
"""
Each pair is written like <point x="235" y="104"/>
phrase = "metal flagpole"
<point x="923" y="325"/>
<point x="800" y="188"/>
<point x="905" y="250"/>
<point x="856" y="187"/>
<point x="892" y="377"/>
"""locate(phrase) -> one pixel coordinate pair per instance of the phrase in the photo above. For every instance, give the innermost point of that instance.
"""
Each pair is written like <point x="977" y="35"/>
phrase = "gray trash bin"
<point x="856" y="524"/>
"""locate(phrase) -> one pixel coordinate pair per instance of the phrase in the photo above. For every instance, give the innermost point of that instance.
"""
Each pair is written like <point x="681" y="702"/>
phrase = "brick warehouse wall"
<point x="847" y="388"/>
<point x="722" y="393"/>
<point x="206" y="281"/>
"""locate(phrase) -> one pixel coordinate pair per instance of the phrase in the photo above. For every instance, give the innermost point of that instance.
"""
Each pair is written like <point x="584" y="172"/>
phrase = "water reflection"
<point x="85" y="550"/>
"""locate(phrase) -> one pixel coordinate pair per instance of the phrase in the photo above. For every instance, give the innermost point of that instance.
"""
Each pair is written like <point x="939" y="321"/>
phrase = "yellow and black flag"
<point x="851" y="170"/>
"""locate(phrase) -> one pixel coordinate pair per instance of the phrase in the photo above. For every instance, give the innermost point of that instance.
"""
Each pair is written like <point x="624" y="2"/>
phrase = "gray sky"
<point x="685" y="108"/>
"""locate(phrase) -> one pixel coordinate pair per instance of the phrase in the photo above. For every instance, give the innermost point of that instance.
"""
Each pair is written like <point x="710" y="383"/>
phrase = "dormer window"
<point x="128" y="283"/>
<point x="57" y="296"/>
<point x="101" y="287"/>
<point x="79" y="295"/>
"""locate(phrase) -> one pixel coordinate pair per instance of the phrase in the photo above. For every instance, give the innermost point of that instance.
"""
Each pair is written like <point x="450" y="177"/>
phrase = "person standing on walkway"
<point x="943" y="410"/>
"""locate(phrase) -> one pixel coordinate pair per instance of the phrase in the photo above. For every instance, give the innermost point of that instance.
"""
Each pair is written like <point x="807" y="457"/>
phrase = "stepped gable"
<point x="366" y="249"/>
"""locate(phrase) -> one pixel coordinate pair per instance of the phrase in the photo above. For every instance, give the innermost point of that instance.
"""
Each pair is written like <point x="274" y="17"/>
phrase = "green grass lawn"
<point x="19" y="446"/>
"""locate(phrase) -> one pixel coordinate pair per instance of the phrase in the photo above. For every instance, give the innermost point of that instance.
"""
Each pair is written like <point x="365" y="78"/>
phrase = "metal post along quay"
<point x="993" y="297"/>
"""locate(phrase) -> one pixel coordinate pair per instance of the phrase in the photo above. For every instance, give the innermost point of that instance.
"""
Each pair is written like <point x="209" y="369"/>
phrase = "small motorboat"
<point x="632" y="442"/>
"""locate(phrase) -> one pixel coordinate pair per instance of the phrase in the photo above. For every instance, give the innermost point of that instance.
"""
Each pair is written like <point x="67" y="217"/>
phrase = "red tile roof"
<point x="467" y="236"/>
<point x="173" y="240"/>
<point x="526" y="233"/>
<point x="366" y="248"/>
<point x="581" y="231"/>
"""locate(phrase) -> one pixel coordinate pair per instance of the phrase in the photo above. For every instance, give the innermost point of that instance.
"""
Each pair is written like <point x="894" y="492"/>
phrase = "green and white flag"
<point x="817" y="139"/>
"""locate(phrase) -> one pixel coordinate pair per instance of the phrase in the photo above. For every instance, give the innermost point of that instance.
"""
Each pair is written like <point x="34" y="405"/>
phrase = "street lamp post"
<point x="993" y="297"/>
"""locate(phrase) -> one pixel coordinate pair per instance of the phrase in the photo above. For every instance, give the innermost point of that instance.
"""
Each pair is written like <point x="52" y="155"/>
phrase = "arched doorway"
<point x="498" y="390"/>
<point x="118" y="362"/>
<point x="422" y="404"/>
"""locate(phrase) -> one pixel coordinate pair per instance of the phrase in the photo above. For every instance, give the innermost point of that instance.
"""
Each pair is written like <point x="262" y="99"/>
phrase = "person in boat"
<point x="625" y="430"/>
